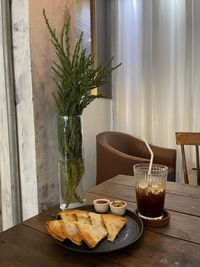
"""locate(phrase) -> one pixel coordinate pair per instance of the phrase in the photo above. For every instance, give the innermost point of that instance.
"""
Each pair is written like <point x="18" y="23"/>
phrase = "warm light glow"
<point x="94" y="91"/>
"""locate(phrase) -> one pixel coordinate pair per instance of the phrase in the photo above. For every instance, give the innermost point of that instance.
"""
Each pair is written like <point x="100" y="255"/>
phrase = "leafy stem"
<point x="74" y="71"/>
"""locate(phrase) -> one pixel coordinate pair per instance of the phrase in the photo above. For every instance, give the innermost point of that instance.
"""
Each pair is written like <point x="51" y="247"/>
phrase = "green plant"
<point x="75" y="71"/>
<point x="75" y="79"/>
<point x="70" y="148"/>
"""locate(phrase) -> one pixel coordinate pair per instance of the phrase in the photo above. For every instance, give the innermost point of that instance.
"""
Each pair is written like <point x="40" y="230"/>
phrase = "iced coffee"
<point x="150" y="190"/>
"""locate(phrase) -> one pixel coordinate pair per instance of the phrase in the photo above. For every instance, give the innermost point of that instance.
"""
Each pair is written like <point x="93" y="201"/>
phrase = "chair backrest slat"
<point x="184" y="165"/>
<point x="186" y="138"/>
<point x="198" y="166"/>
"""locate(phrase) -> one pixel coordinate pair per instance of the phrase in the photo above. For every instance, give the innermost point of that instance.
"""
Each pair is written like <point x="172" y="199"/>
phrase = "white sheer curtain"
<point x="157" y="89"/>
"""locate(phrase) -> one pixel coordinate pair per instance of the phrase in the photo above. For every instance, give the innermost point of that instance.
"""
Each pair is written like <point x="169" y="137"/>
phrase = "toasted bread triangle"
<point x="114" y="224"/>
<point x="70" y="229"/>
<point x="55" y="230"/>
<point x="73" y="211"/>
<point x="75" y="215"/>
<point x="91" y="234"/>
<point x="79" y="225"/>
<point x="68" y="226"/>
<point x="96" y="219"/>
<point x="69" y="220"/>
<point x="83" y="216"/>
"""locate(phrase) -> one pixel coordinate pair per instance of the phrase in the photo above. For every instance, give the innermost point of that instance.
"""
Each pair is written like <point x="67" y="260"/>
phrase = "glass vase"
<point x="71" y="162"/>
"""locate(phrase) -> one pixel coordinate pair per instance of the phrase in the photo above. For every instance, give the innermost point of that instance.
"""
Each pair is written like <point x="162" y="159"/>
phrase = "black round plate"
<point x="129" y="234"/>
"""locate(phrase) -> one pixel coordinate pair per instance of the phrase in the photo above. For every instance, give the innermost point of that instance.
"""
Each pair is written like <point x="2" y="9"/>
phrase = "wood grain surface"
<point x="177" y="244"/>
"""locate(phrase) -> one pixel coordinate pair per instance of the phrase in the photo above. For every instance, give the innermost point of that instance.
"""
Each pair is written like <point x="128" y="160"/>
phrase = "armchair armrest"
<point x="165" y="156"/>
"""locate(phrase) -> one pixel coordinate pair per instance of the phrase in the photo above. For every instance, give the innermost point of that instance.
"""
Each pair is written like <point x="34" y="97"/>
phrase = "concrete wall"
<point x="6" y="208"/>
<point x="42" y="54"/>
<point x="36" y="111"/>
<point x="24" y="107"/>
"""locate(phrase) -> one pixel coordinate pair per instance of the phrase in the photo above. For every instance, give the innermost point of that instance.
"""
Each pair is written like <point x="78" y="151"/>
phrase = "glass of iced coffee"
<point x="150" y="186"/>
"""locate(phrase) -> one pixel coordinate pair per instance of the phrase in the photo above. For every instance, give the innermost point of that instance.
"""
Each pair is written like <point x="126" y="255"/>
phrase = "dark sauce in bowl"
<point x="101" y="202"/>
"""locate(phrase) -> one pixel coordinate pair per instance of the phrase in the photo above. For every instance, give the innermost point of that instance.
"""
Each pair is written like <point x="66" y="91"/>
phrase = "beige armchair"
<point x="118" y="152"/>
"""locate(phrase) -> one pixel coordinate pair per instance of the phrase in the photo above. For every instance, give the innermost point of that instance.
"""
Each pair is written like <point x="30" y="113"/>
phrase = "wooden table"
<point x="177" y="244"/>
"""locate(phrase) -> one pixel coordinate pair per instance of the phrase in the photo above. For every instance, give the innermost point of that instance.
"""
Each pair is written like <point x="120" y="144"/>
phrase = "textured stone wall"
<point x="24" y="107"/>
<point x="42" y="54"/>
<point x="5" y="184"/>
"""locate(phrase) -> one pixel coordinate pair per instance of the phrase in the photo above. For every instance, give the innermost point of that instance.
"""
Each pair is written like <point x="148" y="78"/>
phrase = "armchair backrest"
<point x="117" y="153"/>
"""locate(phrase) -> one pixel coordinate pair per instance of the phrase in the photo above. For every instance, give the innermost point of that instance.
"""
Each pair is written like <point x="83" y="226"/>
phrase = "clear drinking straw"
<point x="152" y="155"/>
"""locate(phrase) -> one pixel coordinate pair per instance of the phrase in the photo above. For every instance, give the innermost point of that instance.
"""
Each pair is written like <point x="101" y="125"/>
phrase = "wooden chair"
<point x="185" y="138"/>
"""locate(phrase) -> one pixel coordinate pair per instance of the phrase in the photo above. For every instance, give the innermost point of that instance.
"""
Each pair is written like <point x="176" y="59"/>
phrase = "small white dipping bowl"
<point x="101" y="205"/>
<point x="118" y="207"/>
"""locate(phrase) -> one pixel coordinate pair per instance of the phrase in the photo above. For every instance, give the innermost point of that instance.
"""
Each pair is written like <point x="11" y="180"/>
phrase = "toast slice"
<point x="114" y="224"/>
<point x="91" y="234"/>
<point x="75" y="215"/>
<point x="69" y="227"/>
<point x="69" y="217"/>
<point x="64" y="213"/>
<point x="83" y="216"/>
<point x="55" y="230"/>
<point x="70" y="230"/>
<point x="97" y="221"/>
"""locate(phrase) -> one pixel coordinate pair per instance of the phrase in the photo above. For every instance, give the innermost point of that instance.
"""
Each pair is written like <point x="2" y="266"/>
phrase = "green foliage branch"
<point x="75" y="79"/>
<point x="75" y="71"/>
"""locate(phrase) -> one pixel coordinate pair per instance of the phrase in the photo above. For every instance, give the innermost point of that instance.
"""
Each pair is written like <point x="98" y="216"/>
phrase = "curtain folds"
<point x="157" y="89"/>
